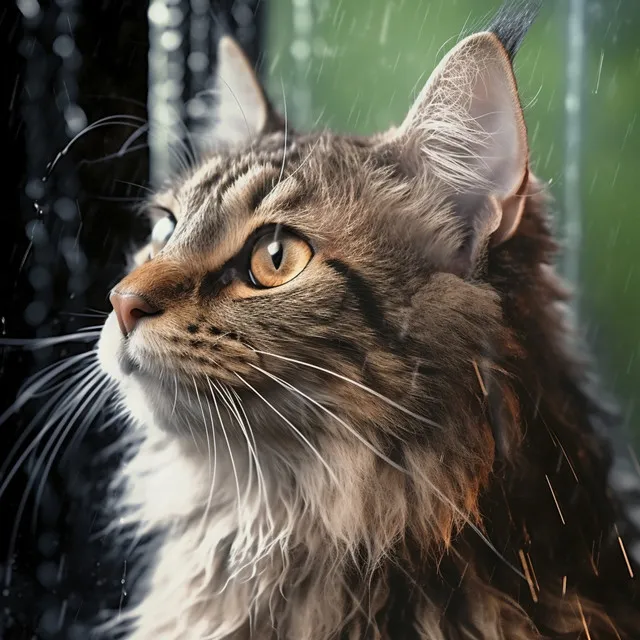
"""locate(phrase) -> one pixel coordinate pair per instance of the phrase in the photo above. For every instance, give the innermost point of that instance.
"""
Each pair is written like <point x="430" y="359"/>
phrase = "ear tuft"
<point x="512" y="22"/>
<point x="467" y="130"/>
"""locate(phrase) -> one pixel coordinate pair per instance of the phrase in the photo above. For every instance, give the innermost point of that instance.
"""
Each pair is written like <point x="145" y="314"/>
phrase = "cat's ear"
<point x="467" y="128"/>
<point x="243" y="111"/>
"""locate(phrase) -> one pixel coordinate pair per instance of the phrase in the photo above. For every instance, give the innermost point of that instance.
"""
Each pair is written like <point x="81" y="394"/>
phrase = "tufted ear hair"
<point x="242" y="111"/>
<point x="467" y="129"/>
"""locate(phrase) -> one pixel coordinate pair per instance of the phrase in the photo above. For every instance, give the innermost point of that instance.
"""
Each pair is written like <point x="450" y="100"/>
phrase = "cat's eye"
<point x="277" y="258"/>
<point x="162" y="231"/>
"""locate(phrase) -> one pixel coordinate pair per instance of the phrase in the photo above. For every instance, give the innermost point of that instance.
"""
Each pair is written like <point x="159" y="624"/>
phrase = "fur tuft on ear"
<point x="512" y="22"/>
<point x="242" y="110"/>
<point x="467" y="130"/>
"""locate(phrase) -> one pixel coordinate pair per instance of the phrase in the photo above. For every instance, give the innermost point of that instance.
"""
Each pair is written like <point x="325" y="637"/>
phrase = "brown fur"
<point x="418" y="453"/>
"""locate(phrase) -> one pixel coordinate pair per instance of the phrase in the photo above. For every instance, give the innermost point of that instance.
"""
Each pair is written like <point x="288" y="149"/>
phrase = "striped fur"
<point x="382" y="448"/>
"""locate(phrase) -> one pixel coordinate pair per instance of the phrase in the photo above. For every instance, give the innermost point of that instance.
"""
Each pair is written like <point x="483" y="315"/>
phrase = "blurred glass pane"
<point x="355" y="66"/>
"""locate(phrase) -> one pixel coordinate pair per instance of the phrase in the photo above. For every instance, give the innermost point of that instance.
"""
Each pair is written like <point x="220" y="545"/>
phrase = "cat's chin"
<point x="141" y="392"/>
<point x="111" y="353"/>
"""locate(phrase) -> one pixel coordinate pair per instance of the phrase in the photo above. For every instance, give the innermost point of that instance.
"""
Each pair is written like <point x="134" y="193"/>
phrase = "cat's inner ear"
<point x="243" y="111"/>
<point x="467" y="128"/>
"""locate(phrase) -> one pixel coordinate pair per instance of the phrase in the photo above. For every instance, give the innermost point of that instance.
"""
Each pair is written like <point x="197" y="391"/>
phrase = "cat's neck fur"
<point x="360" y="560"/>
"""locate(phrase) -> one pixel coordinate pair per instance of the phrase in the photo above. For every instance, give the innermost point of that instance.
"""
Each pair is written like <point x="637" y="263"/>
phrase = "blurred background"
<point x="125" y="81"/>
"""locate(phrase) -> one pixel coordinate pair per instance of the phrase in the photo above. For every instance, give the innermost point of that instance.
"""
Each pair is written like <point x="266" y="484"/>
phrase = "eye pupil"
<point x="276" y="252"/>
<point x="277" y="258"/>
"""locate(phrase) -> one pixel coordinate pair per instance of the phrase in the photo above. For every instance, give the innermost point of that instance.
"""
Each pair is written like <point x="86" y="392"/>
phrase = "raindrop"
<point x="39" y="277"/>
<point x="34" y="189"/>
<point x="196" y="108"/>
<point x="242" y="14"/>
<point x="36" y="232"/>
<point x="158" y="14"/>
<point x="300" y="50"/>
<point x="63" y="46"/>
<point x="198" y="61"/>
<point x="171" y="40"/>
<point x="47" y="573"/>
<point x="35" y="313"/>
<point x="49" y="621"/>
<point x="65" y="208"/>
<point x="29" y="8"/>
<point x="48" y="543"/>
<point x="76" y="119"/>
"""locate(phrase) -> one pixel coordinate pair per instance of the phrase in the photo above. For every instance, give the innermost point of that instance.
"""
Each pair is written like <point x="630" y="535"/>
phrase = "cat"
<point x="350" y="367"/>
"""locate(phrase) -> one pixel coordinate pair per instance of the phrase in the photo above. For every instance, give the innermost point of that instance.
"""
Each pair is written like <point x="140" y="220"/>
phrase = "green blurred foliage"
<point x="356" y="65"/>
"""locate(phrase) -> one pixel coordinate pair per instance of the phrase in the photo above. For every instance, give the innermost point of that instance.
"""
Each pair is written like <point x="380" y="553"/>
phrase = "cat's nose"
<point x="129" y="308"/>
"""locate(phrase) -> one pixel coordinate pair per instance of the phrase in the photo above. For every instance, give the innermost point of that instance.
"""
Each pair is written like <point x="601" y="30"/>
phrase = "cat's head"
<point x="316" y="297"/>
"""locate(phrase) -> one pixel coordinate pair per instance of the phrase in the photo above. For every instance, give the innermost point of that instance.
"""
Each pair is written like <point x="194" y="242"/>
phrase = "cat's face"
<point x="295" y="249"/>
<point x="312" y="284"/>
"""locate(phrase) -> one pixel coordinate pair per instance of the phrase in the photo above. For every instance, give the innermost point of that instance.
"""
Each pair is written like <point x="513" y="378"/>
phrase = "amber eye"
<point x="277" y="258"/>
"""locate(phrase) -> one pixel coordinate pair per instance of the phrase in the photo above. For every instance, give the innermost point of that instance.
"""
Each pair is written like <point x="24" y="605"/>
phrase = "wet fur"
<point x="493" y="431"/>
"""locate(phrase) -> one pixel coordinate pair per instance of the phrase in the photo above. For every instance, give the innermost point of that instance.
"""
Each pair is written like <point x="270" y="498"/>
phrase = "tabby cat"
<point x="348" y="363"/>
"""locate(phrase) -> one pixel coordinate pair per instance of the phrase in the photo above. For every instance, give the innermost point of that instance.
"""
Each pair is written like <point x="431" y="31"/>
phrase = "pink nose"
<point x="129" y="308"/>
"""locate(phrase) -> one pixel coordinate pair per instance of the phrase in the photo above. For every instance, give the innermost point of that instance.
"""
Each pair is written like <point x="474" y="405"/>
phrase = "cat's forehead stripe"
<point x="246" y="191"/>
<point x="219" y="184"/>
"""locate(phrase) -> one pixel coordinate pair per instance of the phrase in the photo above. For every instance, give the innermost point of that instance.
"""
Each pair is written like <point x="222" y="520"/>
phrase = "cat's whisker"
<point x="97" y="328"/>
<point x="36" y="382"/>
<point x="252" y="562"/>
<point x="215" y="466"/>
<point x="86" y="162"/>
<point x="304" y="160"/>
<point x="188" y="423"/>
<point x="187" y="143"/>
<point x="86" y="335"/>
<point x="106" y="452"/>
<point x="286" y="133"/>
<point x="295" y="429"/>
<point x="66" y="406"/>
<point x="141" y="125"/>
<point x="142" y="129"/>
<point x="226" y="397"/>
<point x="127" y="147"/>
<point x="98" y="390"/>
<point x="364" y="387"/>
<point x="33" y="379"/>
<point x="137" y="185"/>
<point x="92" y="376"/>
<point x="255" y="448"/>
<point x="204" y="422"/>
<point x="364" y="441"/>
<point x="61" y="393"/>
<point x="123" y="120"/>
<point x="94" y="314"/>
<point x="226" y="438"/>
<point x="175" y="397"/>
<point x="444" y="498"/>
